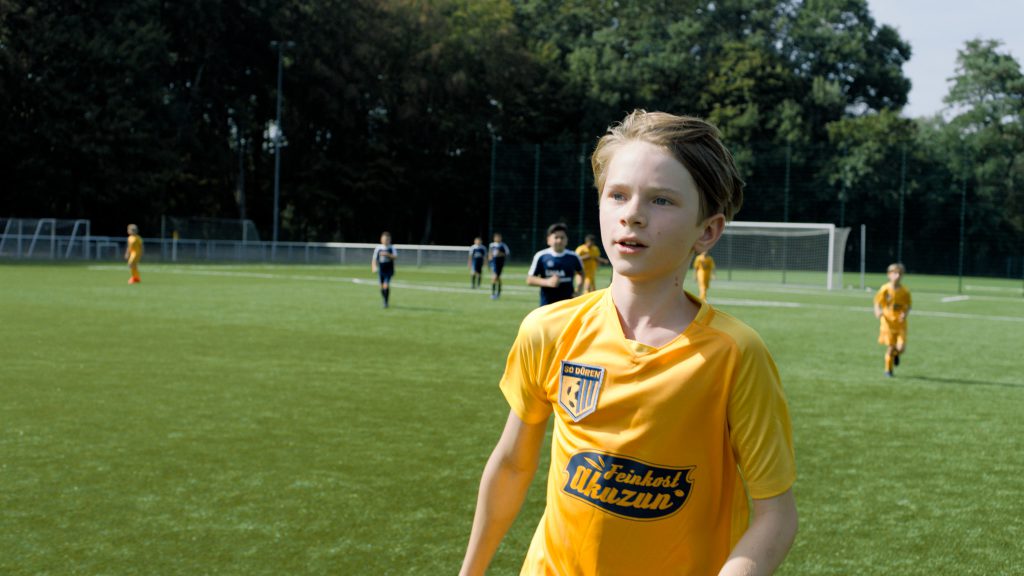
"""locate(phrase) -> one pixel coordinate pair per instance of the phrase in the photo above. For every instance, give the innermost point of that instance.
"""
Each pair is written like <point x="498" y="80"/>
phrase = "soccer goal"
<point x="777" y="252"/>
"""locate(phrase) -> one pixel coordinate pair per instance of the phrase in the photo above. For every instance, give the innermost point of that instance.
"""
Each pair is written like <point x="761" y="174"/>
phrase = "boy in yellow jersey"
<point x="668" y="414"/>
<point x="704" y="265"/>
<point x="590" y="255"/>
<point x="892" y="305"/>
<point x="133" y="253"/>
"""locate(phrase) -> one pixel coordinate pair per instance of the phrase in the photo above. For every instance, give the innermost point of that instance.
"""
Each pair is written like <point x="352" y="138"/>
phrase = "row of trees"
<point x="119" y="111"/>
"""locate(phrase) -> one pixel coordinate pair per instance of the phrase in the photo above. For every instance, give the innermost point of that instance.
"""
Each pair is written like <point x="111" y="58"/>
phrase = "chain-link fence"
<point x="935" y="226"/>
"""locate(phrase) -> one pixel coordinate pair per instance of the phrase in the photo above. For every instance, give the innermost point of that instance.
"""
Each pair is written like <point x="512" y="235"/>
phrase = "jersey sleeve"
<point x="521" y="383"/>
<point x="880" y="297"/>
<point x="535" y="268"/>
<point x="759" y="424"/>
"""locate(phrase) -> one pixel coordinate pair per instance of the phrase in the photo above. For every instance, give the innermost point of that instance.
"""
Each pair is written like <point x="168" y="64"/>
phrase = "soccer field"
<point x="275" y="420"/>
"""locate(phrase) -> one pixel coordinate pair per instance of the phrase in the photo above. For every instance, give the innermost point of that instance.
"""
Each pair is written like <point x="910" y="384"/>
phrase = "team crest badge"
<point x="579" y="386"/>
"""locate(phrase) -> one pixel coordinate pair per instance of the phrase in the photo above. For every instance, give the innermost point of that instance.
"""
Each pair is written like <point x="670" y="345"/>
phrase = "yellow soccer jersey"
<point x="134" y="246"/>
<point x="704" y="263"/>
<point x="589" y="264"/>
<point x="651" y="446"/>
<point x="893" y="301"/>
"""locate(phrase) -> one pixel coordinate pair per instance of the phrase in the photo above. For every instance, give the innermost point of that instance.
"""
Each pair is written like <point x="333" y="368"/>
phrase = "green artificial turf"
<point x="275" y="420"/>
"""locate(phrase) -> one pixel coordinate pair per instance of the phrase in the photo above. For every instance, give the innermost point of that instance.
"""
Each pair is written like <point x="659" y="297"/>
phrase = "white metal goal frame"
<point x="830" y="262"/>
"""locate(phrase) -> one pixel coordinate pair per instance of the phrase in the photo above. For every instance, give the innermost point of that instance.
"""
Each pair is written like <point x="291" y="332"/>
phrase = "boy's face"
<point x="477" y="241"/>
<point x="497" y="237"/>
<point x="895" y="275"/>
<point x="385" y="239"/>
<point x="650" y="214"/>
<point x="558" y="240"/>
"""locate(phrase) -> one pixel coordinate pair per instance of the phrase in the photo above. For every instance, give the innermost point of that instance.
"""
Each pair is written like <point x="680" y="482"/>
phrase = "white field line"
<point x="342" y="279"/>
<point x="992" y="288"/>
<point x="517" y="290"/>
<point x="955" y="298"/>
<point x="865" y="309"/>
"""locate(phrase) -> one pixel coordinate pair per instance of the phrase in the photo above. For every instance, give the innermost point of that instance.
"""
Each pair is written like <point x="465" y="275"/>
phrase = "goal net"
<point x="787" y="253"/>
<point x="44" y="238"/>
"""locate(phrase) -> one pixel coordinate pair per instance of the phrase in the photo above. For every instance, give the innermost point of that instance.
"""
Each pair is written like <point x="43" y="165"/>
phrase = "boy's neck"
<point x="653" y="312"/>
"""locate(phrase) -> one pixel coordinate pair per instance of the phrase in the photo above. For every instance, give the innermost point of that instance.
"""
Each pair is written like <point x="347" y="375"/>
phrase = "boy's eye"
<point x="661" y="201"/>
<point x="617" y="196"/>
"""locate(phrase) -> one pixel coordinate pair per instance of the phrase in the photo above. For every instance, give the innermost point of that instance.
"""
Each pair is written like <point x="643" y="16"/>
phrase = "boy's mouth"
<point x="629" y="245"/>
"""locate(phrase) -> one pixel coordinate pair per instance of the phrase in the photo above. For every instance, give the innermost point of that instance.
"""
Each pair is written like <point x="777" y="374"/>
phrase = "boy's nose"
<point x="633" y="215"/>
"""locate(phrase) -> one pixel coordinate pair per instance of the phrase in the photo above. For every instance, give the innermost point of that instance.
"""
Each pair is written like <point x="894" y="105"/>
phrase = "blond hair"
<point x="133" y="229"/>
<point x="896" y="266"/>
<point x="695" y="143"/>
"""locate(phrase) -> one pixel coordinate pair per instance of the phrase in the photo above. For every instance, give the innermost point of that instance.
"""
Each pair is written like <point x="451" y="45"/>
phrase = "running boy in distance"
<point x="383" y="263"/>
<point x="497" y="251"/>
<point x="133" y="253"/>
<point x="704" y="265"/>
<point x="892" y="305"/>
<point x="590" y="254"/>
<point x="668" y="413"/>
<point x="555" y="269"/>
<point x="477" y="255"/>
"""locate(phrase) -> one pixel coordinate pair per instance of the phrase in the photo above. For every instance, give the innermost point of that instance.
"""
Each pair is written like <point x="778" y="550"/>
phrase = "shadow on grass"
<point x="962" y="381"/>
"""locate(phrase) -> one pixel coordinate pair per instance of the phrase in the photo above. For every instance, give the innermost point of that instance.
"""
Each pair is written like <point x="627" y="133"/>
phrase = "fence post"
<point x="536" y="195"/>
<point x="490" y="204"/>
<point x="903" y="192"/>
<point x="863" y="252"/>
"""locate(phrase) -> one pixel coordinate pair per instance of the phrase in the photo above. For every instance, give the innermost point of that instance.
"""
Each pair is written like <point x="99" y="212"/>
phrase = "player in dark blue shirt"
<point x="383" y="263"/>
<point x="477" y="255"/>
<point x="556" y="270"/>
<point x="496" y="254"/>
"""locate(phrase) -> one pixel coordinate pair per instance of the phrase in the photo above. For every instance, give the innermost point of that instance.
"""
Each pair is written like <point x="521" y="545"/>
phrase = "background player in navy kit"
<point x="555" y="269"/>
<point x="477" y="255"/>
<point x="383" y="263"/>
<point x="496" y="254"/>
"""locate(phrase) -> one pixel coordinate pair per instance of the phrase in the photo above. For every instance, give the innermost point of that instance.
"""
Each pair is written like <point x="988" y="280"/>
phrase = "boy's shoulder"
<point x="547" y="323"/>
<point x="727" y="326"/>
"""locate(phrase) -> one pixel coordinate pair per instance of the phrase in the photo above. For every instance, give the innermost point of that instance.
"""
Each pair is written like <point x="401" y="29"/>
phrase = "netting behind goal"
<point x="44" y="238"/>
<point x="203" y="228"/>
<point x="775" y="252"/>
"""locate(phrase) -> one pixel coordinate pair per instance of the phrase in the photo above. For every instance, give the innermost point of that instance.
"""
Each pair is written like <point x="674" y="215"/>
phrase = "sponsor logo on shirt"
<point x="579" y="386"/>
<point x="626" y="487"/>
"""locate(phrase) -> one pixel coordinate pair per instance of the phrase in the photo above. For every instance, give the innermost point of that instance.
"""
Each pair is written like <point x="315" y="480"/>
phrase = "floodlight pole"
<point x="278" y="134"/>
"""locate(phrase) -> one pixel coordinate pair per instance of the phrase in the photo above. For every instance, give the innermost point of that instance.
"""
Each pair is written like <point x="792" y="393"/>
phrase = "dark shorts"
<point x="385" y="273"/>
<point x="497" y="265"/>
<point x="478" y="265"/>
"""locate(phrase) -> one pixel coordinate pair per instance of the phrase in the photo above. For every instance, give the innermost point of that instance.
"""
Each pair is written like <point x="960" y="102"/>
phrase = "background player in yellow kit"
<point x="590" y="255"/>
<point x="704" y="265"/>
<point x="892" y="305"/>
<point x="668" y="414"/>
<point x="133" y="253"/>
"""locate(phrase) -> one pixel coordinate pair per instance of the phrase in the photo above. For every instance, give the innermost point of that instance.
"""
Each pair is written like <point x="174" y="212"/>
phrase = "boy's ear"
<point x="713" y="227"/>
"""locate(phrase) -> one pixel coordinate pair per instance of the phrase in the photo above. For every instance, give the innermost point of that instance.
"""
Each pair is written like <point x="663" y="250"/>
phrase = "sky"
<point x="936" y="29"/>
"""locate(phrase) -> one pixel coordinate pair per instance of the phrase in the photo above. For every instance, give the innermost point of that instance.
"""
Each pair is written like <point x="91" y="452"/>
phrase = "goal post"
<point x="809" y="254"/>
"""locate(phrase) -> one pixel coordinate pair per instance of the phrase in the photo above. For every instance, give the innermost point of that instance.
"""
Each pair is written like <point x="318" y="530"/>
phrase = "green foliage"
<point x="127" y="111"/>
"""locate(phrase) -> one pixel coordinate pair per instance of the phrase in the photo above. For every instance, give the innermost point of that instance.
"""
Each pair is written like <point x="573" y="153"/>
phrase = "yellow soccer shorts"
<point x="892" y="333"/>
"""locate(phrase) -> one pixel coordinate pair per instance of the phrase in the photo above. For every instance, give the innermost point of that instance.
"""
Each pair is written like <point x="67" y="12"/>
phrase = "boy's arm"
<point x="503" y="488"/>
<point x="767" y="540"/>
<point x="373" y="262"/>
<point x="549" y="282"/>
